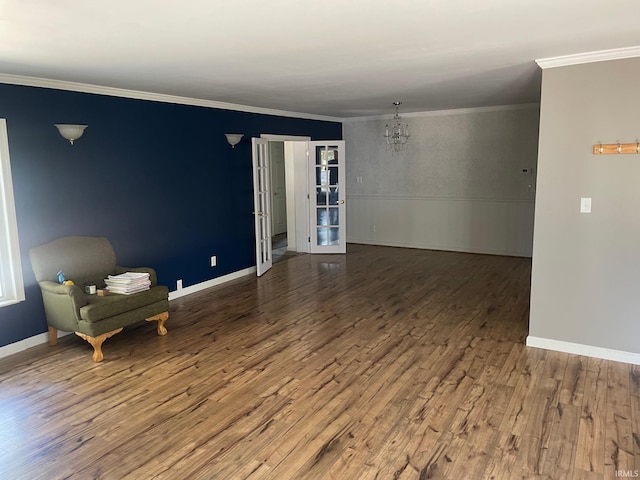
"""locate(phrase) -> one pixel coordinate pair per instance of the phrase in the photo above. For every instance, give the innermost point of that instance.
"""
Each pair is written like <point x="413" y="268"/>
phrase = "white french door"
<point x="327" y="196"/>
<point x="325" y="179"/>
<point x="262" y="203"/>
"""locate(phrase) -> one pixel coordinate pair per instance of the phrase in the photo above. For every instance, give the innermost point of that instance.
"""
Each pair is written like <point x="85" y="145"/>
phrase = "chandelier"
<point x="398" y="135"/>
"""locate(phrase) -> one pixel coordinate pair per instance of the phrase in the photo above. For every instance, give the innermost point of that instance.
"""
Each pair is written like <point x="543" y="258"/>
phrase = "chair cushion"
<point x="99" y="308"/>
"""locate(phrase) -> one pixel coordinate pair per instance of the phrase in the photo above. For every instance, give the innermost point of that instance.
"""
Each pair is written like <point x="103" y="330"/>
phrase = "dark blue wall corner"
<point x="158" y="179"/>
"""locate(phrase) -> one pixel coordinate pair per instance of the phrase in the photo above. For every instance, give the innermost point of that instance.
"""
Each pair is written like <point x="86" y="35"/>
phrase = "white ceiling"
<point x="339" y="58"/>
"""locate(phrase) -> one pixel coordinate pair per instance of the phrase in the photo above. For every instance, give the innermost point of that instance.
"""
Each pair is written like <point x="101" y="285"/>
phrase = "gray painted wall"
<point x="458" y="186"/>
<point x="586" y="267"/>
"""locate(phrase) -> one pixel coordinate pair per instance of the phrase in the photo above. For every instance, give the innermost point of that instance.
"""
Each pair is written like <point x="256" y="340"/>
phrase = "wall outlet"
<point x="358" y="179"/>
<point x="179" y="284"/>
<point x="214" y="260"/>
<point x="372" y="228"/>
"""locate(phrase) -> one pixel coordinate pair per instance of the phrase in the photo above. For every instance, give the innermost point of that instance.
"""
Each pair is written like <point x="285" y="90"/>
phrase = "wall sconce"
<point x="233" y="138"/>
<point x="70" y="132"/>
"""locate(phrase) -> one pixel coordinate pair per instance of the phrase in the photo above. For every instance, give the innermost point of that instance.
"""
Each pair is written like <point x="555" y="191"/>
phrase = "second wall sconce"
<point x="233" y="138"/>
<point x="70" y="132"/>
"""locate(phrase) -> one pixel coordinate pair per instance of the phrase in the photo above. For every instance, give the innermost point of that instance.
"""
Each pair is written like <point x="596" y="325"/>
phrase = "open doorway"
<point x="278" y="191"/>
<point x="289" y="195"/>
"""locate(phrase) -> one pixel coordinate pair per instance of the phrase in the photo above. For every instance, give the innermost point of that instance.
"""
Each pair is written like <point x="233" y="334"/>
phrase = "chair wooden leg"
<point x="160" y="318"/>
<point x="96" y="342"/>
<point x="53" y="336"/>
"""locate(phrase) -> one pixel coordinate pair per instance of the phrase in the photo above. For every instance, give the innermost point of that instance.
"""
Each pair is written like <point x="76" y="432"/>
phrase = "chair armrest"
<point x="62" y="304"/>
<point x="149" y="270"/>
<point x="72" y="291"/>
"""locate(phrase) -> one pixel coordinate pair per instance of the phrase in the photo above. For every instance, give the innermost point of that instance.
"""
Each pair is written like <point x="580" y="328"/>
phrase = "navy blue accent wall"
<point x="158" y="179"/>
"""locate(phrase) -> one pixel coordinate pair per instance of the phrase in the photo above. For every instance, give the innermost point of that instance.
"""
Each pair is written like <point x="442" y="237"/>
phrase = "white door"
<point x="261" y="203"/>
<point x="327" y="197"/>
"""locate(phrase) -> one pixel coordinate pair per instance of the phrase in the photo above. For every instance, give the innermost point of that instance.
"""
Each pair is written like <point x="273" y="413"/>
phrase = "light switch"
<point x="585" y="205"/>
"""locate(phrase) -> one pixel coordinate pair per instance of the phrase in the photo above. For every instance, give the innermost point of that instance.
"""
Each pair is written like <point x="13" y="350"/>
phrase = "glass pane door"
<point x="327" y="198"/>
<point x="262" y="204"/>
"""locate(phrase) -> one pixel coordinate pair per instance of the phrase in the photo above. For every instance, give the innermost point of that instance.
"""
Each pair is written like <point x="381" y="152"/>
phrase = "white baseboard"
<point x="210" y="283"/>
<point x="28" y="343"/>
<point x="443" y="248"/>
<point x="44" y="337"/>
<point x="586" y="350"/>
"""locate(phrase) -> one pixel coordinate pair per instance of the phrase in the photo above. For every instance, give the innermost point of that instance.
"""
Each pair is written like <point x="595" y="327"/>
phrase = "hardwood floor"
<point x="381" y="364"/>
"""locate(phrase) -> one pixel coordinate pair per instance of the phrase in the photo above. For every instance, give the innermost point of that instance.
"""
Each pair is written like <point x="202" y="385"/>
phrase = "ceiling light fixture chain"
<point x="398" y="135"/>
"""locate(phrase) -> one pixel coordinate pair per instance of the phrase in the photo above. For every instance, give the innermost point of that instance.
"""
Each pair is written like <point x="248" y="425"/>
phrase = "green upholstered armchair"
<point x="92" y="317"/>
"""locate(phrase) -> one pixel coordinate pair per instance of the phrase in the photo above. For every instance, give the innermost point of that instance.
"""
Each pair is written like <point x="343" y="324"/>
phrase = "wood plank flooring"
<point x="380" y="364"/>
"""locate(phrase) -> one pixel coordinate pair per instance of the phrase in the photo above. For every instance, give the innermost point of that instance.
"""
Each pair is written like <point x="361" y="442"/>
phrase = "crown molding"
<point x="437" y="113"/>
<point x="154" y="97"/>
<point x="589" y="57"/>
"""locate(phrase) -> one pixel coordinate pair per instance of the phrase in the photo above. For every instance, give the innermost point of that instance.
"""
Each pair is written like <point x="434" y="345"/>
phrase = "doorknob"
<point x="341" y="202"/>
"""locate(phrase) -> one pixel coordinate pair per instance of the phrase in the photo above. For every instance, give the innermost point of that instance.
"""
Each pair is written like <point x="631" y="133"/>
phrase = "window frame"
<point x="11" y="280"/>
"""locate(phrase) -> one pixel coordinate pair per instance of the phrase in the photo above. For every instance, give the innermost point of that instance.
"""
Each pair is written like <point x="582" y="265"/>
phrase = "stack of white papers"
<point x="128" y="283"/>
